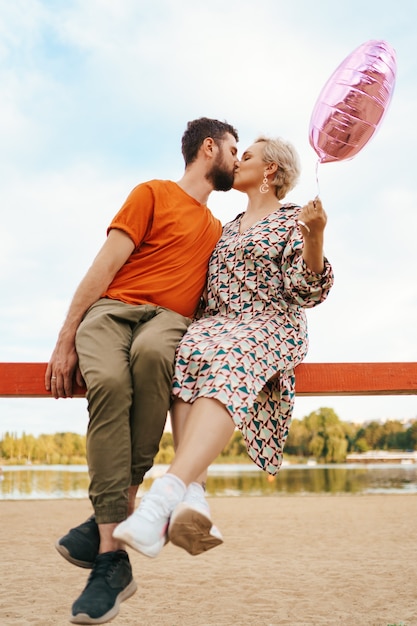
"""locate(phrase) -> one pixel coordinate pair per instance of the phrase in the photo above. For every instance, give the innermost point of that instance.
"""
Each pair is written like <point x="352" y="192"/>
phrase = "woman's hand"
<point x="312" y="220"/>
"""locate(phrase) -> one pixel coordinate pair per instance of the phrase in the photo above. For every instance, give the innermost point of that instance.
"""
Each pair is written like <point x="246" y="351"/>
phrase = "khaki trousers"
<point x="126" y="356"/>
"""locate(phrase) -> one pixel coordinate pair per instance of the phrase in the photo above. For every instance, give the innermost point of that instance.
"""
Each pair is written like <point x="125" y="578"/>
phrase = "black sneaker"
<point x="109" y="583"/>
<point x="80" y="545"/>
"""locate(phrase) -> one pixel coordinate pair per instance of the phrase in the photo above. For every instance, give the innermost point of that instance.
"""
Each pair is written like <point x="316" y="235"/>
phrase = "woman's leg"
<point x="206" y="431"/>
<point x="180" y="412"/>
<point x="190" y="525"/>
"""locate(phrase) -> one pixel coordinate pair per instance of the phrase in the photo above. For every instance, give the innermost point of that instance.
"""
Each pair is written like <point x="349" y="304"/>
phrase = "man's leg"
<point x="152" y="360"/>
<point x="103" y="345"/>
<point x="156" y="332"/>
<point x="104" y="332"/>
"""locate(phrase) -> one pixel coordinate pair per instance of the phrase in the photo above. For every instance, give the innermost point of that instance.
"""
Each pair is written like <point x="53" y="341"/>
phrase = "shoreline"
<point x="320" y="560"/>
<point x="71" y="482"/>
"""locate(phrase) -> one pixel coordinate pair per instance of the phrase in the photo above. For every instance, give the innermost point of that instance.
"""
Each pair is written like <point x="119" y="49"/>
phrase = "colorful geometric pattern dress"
<point x="253" y="332"/>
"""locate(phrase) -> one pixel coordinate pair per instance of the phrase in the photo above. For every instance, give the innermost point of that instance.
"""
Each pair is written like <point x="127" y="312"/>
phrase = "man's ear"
<point x="208" y="147"/>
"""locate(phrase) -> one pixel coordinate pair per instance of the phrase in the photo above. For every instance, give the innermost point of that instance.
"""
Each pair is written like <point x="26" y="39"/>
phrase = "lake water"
<point x="63" y="481"/>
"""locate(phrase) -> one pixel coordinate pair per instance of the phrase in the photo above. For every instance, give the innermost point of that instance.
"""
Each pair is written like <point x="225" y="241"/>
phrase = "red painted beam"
<point x="356" y="379"/>
<point x="26" y="380"/>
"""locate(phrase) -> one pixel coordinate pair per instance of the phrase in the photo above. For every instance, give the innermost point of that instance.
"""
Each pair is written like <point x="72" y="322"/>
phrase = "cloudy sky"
<point x="94" y="98"/>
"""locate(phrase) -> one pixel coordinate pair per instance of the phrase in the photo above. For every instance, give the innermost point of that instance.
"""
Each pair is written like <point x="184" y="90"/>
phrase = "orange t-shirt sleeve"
<point x="135" y="217"/>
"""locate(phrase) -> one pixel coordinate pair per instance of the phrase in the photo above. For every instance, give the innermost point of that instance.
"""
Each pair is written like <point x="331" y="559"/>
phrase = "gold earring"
<point x="264" y="188"/>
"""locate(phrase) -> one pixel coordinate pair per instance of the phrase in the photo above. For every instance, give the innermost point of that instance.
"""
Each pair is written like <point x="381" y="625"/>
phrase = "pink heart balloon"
<point x="353" y="102"/>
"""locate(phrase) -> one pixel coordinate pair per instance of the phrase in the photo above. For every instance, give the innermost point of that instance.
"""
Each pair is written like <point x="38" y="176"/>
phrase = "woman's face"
<point x="250" y="169"/>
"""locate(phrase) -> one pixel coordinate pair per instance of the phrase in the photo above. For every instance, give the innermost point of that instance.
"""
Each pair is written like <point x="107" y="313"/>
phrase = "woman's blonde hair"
<point x="286" y="157"/>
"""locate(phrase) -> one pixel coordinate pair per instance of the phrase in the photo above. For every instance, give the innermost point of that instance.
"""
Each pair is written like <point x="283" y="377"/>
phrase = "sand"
<point x="286" y="560"/>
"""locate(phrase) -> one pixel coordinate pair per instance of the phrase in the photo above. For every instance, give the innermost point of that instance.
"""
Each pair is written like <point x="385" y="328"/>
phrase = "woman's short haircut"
<point x="286" y="157"/>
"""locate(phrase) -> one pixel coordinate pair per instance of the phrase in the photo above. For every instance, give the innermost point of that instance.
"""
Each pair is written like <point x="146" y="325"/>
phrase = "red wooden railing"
<point x="26" y="380"/>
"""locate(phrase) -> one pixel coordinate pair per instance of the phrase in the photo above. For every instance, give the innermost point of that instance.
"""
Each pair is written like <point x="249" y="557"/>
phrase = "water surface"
<point x="71" y="481"/>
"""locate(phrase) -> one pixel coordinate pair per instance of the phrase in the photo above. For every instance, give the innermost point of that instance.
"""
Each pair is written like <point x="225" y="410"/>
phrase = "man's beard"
<point x="221" y="178"/>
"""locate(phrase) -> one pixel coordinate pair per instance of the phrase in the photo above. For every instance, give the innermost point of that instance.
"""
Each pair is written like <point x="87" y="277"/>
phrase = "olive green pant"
<point x="126" y="355"/>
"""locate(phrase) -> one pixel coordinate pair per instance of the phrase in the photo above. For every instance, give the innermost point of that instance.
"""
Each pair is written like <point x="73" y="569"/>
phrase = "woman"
<point x="235" y="366"/>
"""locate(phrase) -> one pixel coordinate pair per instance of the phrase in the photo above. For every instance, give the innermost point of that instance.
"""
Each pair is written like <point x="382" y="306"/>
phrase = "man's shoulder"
<point x="151" y="187"/>
<point x="156" y="183"/>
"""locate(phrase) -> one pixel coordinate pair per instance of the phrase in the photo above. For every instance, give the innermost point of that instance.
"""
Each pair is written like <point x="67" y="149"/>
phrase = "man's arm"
<point x="64" y="360"/>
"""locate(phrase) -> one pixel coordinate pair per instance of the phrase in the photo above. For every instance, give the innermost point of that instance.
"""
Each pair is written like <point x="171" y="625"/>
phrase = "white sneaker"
<point x="145" y="530"/>
<point x="190" y="526"/>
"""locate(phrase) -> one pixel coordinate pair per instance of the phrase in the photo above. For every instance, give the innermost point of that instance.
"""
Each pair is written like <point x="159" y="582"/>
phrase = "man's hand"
<point x="62" y="367"/>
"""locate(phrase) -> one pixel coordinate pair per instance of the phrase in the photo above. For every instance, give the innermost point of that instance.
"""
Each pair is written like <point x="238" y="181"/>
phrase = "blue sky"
<point x="94" y="98"/>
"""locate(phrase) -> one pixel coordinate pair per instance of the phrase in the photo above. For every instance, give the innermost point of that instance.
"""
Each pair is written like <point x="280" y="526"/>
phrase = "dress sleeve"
<point x="302" y="286"/>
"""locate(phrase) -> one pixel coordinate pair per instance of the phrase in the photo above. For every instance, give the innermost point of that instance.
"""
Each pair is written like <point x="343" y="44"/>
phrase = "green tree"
<point x="394" y="437"/>
<point x="8" y="446"/>
<point x="28" y="447"/>
<point x="166" y="451"/>
<point x="336" y="444"/>
<point x="316" y="446"/>
<point x="47" y="449"/>
<point x="350" y="432"/>
<point x="361" y="445"/>
<point x="412" y="436"/>
<point x="320" y="434"/>
<point x="373" y="433"/>
<point x="328" y="440"/>
<point x="298" y="439"/>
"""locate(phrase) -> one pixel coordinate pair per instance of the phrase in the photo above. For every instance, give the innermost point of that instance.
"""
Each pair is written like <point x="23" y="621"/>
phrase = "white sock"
<point x="196" y="489"/>
<point x="174" y="485"/>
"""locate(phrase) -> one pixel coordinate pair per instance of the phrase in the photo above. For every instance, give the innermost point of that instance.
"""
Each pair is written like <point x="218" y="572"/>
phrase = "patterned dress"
<point x="253" y="332"/>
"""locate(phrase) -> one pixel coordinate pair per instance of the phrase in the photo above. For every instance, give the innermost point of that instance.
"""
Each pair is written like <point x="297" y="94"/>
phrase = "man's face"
<point x="222" y="172"/>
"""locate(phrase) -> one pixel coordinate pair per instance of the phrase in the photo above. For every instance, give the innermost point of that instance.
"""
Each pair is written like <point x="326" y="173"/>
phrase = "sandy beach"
<point x="292" y="560"/>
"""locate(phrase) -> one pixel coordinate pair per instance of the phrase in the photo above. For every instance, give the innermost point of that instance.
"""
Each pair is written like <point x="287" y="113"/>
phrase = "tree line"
<point x="320" y="435"/>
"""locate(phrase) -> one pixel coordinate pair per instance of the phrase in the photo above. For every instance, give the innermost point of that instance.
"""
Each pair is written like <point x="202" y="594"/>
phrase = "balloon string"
<point x="317" y="178"/>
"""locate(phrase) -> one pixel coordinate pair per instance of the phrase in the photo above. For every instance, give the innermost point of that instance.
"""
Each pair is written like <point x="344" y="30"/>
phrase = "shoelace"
<point x="152" y="507"/>
<point x="103" y="567"/>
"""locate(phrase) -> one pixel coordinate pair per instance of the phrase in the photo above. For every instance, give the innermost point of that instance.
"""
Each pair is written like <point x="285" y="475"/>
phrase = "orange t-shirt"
<point x="174" y="236"/>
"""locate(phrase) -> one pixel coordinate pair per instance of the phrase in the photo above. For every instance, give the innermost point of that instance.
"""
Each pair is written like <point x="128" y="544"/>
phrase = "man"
<point x="120" y="335"/>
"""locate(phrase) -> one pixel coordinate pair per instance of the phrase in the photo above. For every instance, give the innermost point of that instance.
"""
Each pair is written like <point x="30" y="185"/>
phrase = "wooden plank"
<point x="26" y="380"/>
<point x="356" y="379"/>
